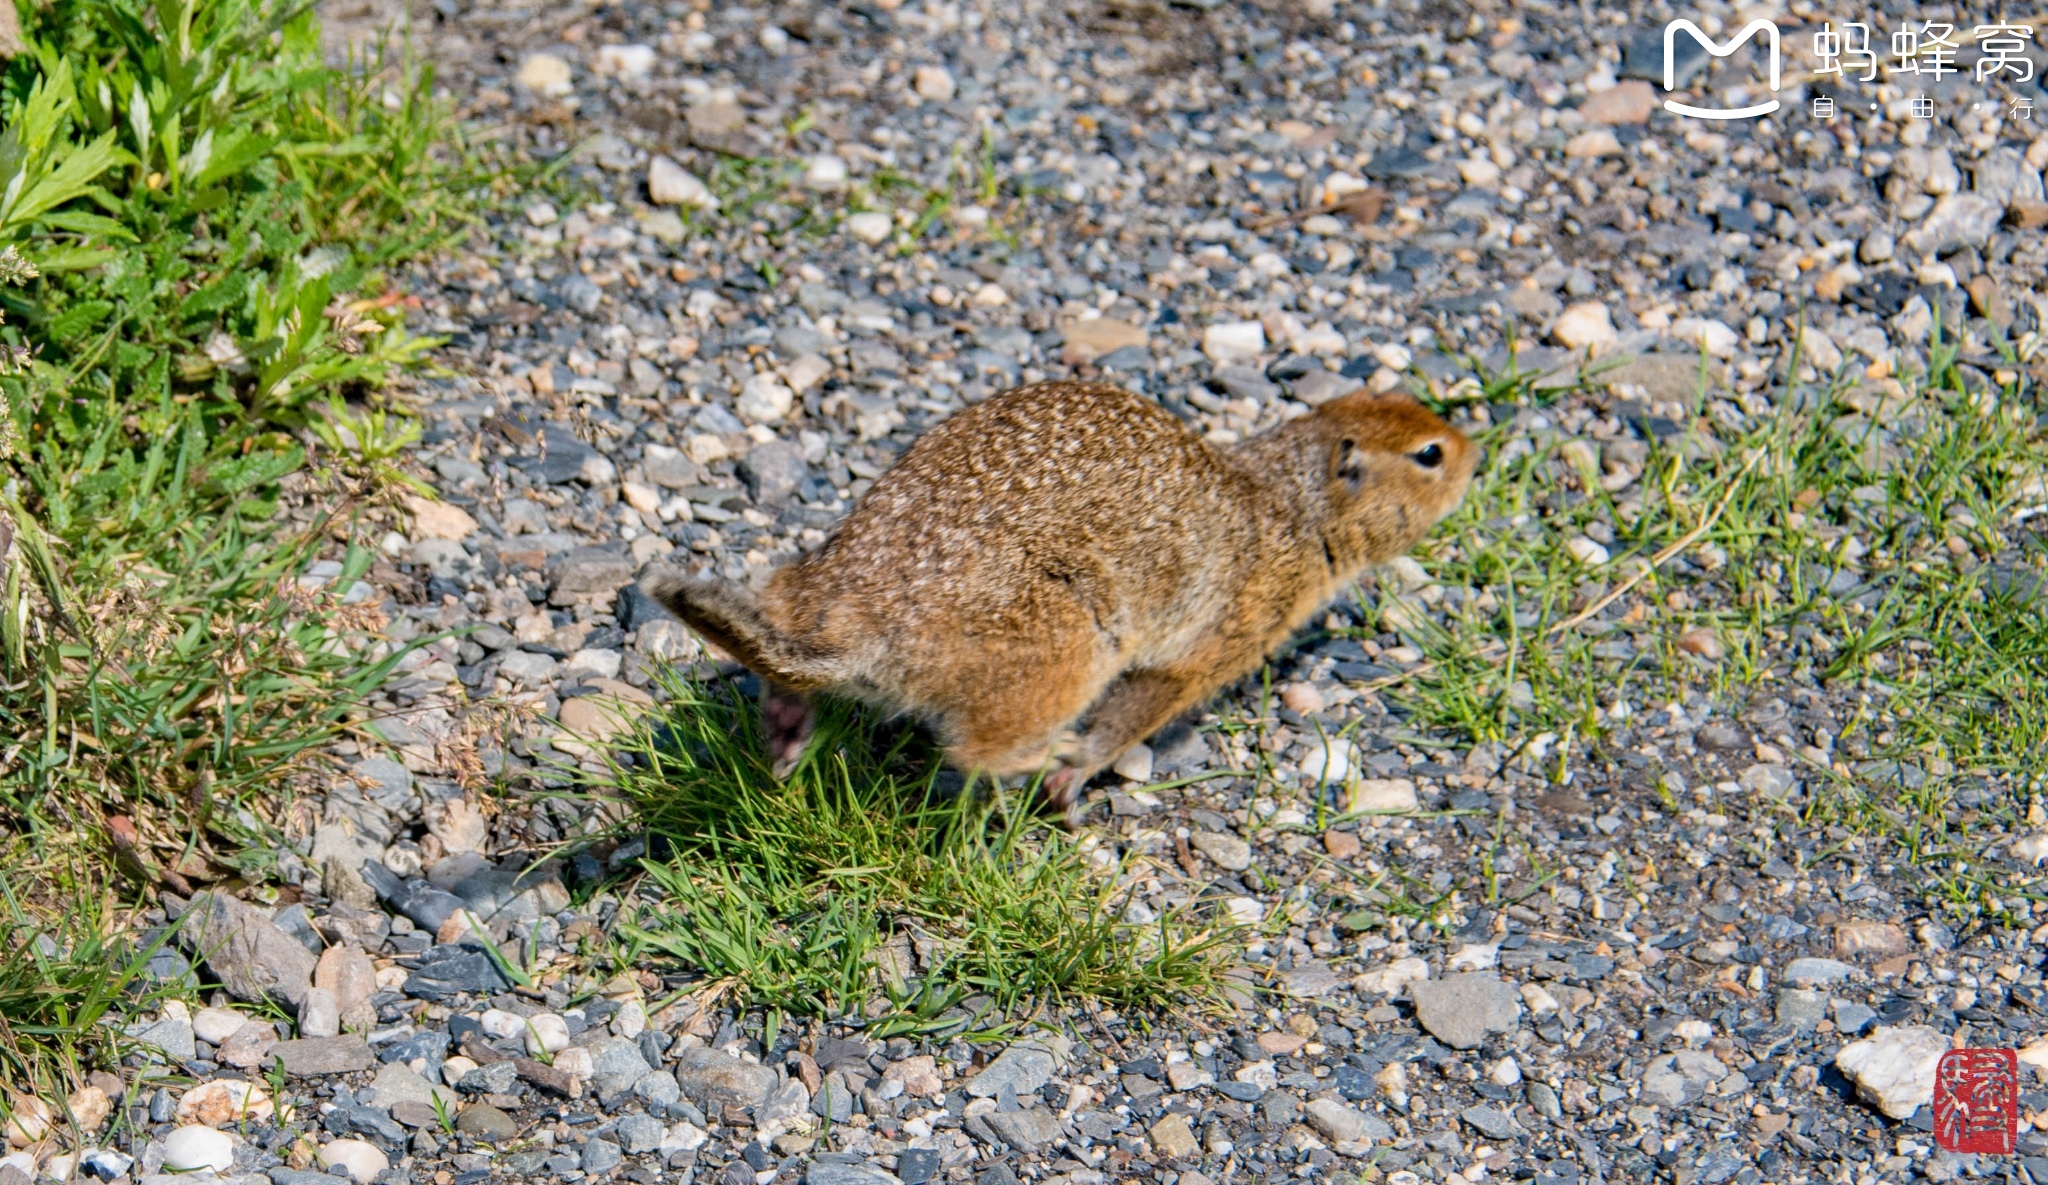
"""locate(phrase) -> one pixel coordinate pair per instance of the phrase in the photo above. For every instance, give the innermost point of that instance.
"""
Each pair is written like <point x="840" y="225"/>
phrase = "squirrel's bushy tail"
<point x="730" y="618"/>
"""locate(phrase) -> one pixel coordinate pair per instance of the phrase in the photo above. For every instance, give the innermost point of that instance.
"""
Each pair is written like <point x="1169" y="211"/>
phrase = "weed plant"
<point x="201" y="206"/>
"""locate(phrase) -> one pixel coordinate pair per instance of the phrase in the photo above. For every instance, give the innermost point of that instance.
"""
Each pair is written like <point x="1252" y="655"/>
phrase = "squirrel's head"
<point x="1394" y="469"/>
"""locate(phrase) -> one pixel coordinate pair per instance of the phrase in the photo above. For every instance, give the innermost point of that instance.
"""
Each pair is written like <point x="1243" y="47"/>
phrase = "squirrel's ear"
<point x="1347" y="464"/>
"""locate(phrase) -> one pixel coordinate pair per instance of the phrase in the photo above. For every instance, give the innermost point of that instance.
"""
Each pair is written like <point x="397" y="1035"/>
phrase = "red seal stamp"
<point x="1977" y="1100"/>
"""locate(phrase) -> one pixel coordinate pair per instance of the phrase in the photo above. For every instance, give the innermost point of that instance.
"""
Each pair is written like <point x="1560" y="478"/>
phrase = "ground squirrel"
<point x="1054" y="574"/>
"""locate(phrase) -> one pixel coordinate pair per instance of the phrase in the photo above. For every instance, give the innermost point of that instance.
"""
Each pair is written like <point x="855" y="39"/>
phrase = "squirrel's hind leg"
<point x="787" y="720"/>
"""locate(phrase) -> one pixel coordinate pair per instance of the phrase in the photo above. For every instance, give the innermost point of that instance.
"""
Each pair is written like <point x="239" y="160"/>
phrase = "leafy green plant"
<point x="370" y="443"/>
<point x="199" y="195"/>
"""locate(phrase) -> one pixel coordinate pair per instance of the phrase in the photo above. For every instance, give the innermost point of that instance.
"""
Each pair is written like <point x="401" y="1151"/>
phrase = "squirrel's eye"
<point x="1429" y="456"/>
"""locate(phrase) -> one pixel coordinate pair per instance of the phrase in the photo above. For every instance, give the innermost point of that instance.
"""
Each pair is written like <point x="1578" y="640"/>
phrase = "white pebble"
<point x="825" y="172"/>
<point x="215" y="1025"/>
<point x="869" y="226"/>
<point x="499" y="1024"/>
<point x="1505" y="1072"/>
<point x="1585" y="327"/>
<point x="670" y="184"/>
<point x="1136" y="764"/>
<point x="546" y="1034"/>
<point x="625" y="61"/>
<point x="196" y="1147"/>
<point x="1232" y="341"/>
<point x="934" y="83"/>
<point x="1586" y="551"/>
<point x="359" y="1158"/>
<point x="1327" y="762"/>
<point x="546" y="74"/>
<point x="764" y="399"/>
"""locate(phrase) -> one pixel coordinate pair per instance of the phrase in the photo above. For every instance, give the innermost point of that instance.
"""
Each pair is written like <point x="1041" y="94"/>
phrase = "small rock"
<point x="601" y="1156"/>
<point x="919" y="1075"/>
<point x="1328" y="760"/>
<point x="826" y="1172"/>
<point x="1957" y="220"/>
<point x="215" y="1025"/>
<point x="1136" y="763"/>
<point x="459" y="824"/>
<point x="546" y="1033"/>
<point x="934" y="83"/>
<point x="1703" y="641"/>
<point x="870" y="226"/>
<point x="433" y="519"/>
<point x="1585" y="326"/>
<point x="89" y="1107"/>
<point x="1893" y="1068"/>
<point x="670" y="184"/>
<point x="346" y="1054"/>
<point x="915" y="1166"/>
<point x="625" y="61"/>
<point x="348" y="974"/>
<point x="225" y="1101"/>
<point x="171" y="1034"/>
<point x="1716" y="338"/>
<point x="1027" y="1130"/>
<point x="481" y="1121"/>
<point x="545" y="74"/>
<point x="1586" y="551"/>
<point x="640" y="1134"/>
<point x="1383" y="794"/>
<point x="1088" y="340"/>
<point x="1461" y="1010"/>
<point x="1227" y="851"/>
<point x="1338" y="1123"/>
<point x="1592" y="144"/>
<point x="655" y="1087"/>
<point x="1234" y="341"/>
<point x="1801" y="1006"/>
<point x="1630" y="101"/>
<point x="1479" y="172"/>
<point x="1341" y="845"/>
<point x="360" y="1159"/>
<point x="1393" y="979"/>
<point x="1025" y="1066"/>
<point x="826" y="171"/>
<point x="399" y="1083"/>
<point x="1859" y="936"/>
<point x="1676" y="1079"/>
<point x="249" y="1046"/>
<point x="774" y="471"/>
<point x="195" y="1148"/>
<point x="1491" y="1122"/>
<point x="712" y="1080"/>
<point x="1172" y="1138"/>
<point x="764" y="399"/>
<point x="252" y="958"/>
<point x="1817" y="971"/>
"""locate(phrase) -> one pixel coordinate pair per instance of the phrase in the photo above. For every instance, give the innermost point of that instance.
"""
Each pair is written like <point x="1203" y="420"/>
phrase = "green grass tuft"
<point x="861" y="886"/>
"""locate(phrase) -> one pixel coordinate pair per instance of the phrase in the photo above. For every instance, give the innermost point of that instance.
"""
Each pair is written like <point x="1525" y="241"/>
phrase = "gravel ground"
<point x="1240" y="209"/>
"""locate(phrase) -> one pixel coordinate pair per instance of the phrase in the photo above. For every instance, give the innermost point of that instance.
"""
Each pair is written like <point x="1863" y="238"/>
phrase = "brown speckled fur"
<point x="1052" y="575"/>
